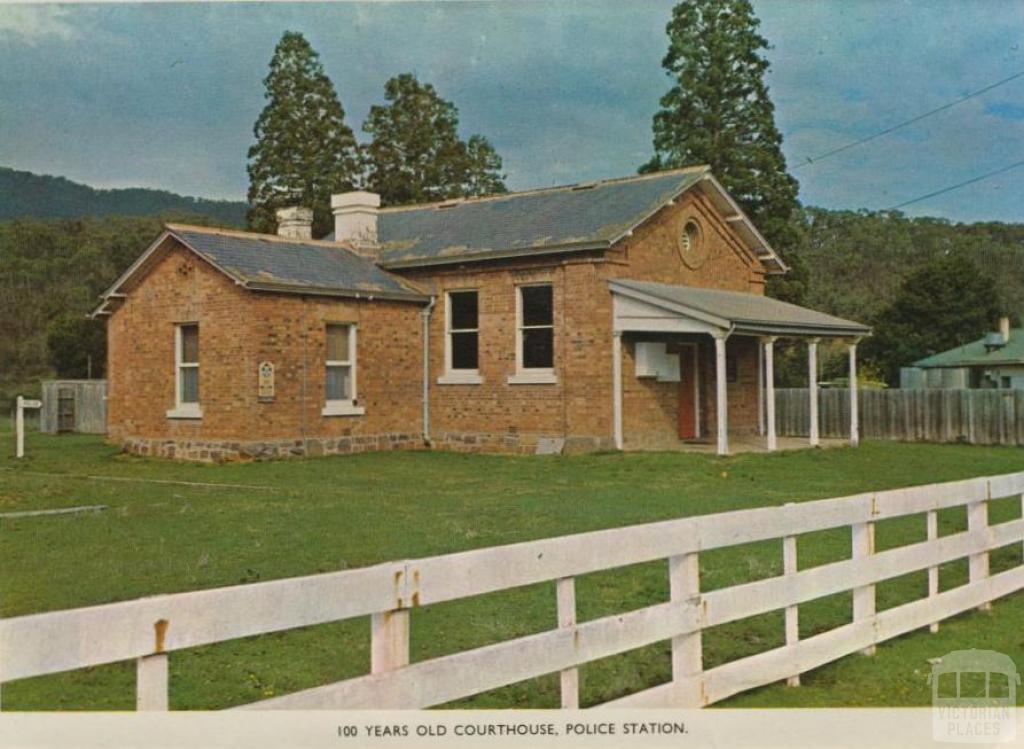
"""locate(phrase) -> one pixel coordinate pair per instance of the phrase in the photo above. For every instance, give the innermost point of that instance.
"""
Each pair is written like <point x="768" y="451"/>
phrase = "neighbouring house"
<point x="994" y="361"/>
<point x="626" y="313"/>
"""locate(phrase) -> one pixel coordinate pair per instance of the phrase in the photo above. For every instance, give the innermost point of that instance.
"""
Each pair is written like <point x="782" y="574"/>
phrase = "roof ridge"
<point x="542" y="190"/>
<point x="171" y="227"/>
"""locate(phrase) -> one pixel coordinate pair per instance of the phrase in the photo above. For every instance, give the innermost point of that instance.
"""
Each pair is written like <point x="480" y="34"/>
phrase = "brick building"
<point x="618" y="314"/>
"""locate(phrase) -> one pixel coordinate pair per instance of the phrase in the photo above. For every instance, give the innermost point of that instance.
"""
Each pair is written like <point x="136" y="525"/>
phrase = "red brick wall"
<point x="238" y="329"/>
<point x="579" y="406"/>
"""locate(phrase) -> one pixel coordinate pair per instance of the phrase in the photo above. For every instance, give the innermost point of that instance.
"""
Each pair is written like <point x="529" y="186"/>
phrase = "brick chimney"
<point x="1004" y="328"/>
<point x="355" y="220"/>
<point x="295" y="223"/>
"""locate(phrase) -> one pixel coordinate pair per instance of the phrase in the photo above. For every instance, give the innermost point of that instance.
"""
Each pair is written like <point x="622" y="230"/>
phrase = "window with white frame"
<point x="186" y="372"/>
<point x="462" y="338"/>
<point x="535" y="335"/>
<point x="340" y="374"/>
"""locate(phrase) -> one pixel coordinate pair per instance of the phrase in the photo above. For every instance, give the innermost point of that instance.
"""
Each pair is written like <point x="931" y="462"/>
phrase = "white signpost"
<point x="19" y="422"/>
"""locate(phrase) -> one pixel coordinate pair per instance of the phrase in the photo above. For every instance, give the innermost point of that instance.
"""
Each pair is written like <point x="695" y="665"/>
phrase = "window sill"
<point x="460" y="378"/>
<point x="533" y="378"/>
<point x="185" y="412"/>
<point x="342" y="409"/>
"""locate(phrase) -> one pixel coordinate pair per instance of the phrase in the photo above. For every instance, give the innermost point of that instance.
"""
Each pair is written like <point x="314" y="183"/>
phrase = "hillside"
<point x="28" y="195"/>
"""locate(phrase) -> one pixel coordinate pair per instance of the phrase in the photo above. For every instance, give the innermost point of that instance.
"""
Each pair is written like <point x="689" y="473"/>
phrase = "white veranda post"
<point x="769" y="380"/>
<point x="721" y="402"/>
<point x="617" y="389"/>
<point x="854" y="416"/>
<point x="812" y="388"/>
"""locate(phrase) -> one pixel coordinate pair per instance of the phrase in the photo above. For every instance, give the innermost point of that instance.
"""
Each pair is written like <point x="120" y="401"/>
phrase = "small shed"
<point x="74" y="406"/>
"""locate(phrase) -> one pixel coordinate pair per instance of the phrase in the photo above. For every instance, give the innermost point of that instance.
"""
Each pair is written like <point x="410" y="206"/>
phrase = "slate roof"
<point x="747" y="313"/>
<point x="262" y="261"/>
<point x="975" y="354"/>
<point x="590" y="216"/>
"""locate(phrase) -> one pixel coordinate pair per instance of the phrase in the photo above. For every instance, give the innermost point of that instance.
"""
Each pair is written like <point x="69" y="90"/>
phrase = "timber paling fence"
<point x="147" y="629"/>
<point x="983" y="417"/>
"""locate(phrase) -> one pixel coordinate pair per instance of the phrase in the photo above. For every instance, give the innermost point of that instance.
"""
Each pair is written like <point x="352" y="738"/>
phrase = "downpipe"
<point x="426" y="314"/>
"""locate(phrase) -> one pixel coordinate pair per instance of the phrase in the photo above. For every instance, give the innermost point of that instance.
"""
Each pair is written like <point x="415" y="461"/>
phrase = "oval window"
<point x="691" y="236"/>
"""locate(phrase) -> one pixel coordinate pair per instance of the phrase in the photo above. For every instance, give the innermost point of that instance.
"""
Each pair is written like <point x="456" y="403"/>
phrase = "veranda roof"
<point x="738" y="311"/>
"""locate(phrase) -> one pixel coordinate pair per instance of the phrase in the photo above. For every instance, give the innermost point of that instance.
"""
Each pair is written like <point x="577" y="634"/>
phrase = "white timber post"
<point x="151" y="674"/>
<point x="570" y="680"/>
<point x="933" y="571"/>
<point x="19" y="427"/>
<point x="760" y="390"/>
<point x="389" y="630"/>
<point x="389" y="640"/>
<point x="721" y="397"/>
<point x="769" y="379"/>
<point x="789" y="567"/>
<point x="617" y="388"/>
<point x="812" y="388"/>
<point x="854" y="416"/>
<point x="977" y="523"/>
<point x="863" y="543"/>
<point x="687" y="657"/>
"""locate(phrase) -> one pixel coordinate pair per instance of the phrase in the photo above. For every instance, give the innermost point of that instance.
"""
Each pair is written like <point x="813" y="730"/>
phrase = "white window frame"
<point x="459" y="376"/>
<point x="183" y="410"/>
<point x="532" y="375"/>
<point x="346" y="406"/>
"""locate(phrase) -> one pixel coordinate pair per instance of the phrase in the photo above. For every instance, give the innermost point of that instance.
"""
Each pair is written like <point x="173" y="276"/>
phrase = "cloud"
<point x="1006" y="110"/>
<point x="32" y="24"/>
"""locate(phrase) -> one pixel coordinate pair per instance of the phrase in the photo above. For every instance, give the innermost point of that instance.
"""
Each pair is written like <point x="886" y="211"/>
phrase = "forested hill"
<point x="856" y="260"/>
<point x="28" y="195"/>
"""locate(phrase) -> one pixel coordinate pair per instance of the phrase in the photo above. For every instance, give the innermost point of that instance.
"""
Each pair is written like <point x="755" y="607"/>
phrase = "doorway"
<point x="689" y="393"/>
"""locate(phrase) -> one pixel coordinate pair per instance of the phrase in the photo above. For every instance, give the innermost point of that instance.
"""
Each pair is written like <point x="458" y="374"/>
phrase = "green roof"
<point x="974" y="354"/>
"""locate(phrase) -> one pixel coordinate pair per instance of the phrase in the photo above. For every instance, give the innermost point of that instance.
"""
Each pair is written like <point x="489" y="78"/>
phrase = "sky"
<point x="165" y="95"/>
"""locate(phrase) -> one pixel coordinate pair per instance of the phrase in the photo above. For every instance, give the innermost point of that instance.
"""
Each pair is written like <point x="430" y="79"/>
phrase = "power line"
<point x="821" y="157"/>
<point x="958" y="185"/>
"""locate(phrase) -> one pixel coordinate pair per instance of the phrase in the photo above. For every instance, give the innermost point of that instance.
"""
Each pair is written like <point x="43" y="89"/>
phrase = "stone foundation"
<point x="220" y="451"/>
<point x="521" y="444"/>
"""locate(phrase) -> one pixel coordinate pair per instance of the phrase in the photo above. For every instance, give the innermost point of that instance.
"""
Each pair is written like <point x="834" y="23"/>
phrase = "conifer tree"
<point x="415" y="154"/>
<point x="304" y="151"/>
<point x="718" y="113"/>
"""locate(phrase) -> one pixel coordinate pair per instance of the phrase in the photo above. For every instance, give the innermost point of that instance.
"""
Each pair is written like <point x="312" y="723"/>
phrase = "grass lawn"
<point x="325" y="514"/>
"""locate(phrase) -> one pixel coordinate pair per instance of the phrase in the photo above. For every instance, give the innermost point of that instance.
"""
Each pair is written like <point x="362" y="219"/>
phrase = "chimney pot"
<point x="355" y="220"/>
<point x="295" y="222"/>
<point x="1004" y="328"/>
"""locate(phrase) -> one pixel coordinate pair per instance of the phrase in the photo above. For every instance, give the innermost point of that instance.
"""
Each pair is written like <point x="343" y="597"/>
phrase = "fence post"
<point x="933" y="571"/>
<point x="389" y="640"/>
<point x="789" y="567"/>
<point x="151" y="678"/>
<point x="151" y="673"/>
<point x="687" y="659"/>
<point x="977" y="522"/>
<point x="863" y="544"/>
<point x="19" y="427"/>
<point x="565" y="590"/>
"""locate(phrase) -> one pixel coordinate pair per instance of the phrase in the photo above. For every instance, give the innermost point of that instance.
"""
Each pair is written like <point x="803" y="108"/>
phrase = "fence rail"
<point x="985" y="417"/>
<point x="147" y="629"/>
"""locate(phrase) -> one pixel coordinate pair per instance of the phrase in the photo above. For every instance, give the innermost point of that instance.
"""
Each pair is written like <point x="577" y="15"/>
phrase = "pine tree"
<point x="718" y="113"/>
<point x="415" y="154"/>
<point x="304" y="151"/>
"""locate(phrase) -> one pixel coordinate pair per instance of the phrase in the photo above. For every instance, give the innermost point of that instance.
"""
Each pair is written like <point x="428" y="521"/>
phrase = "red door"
<point x="687" y="393"/>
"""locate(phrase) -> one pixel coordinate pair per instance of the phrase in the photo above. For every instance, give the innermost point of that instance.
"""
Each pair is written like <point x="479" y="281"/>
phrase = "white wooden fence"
<point x="148" y="629"/>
